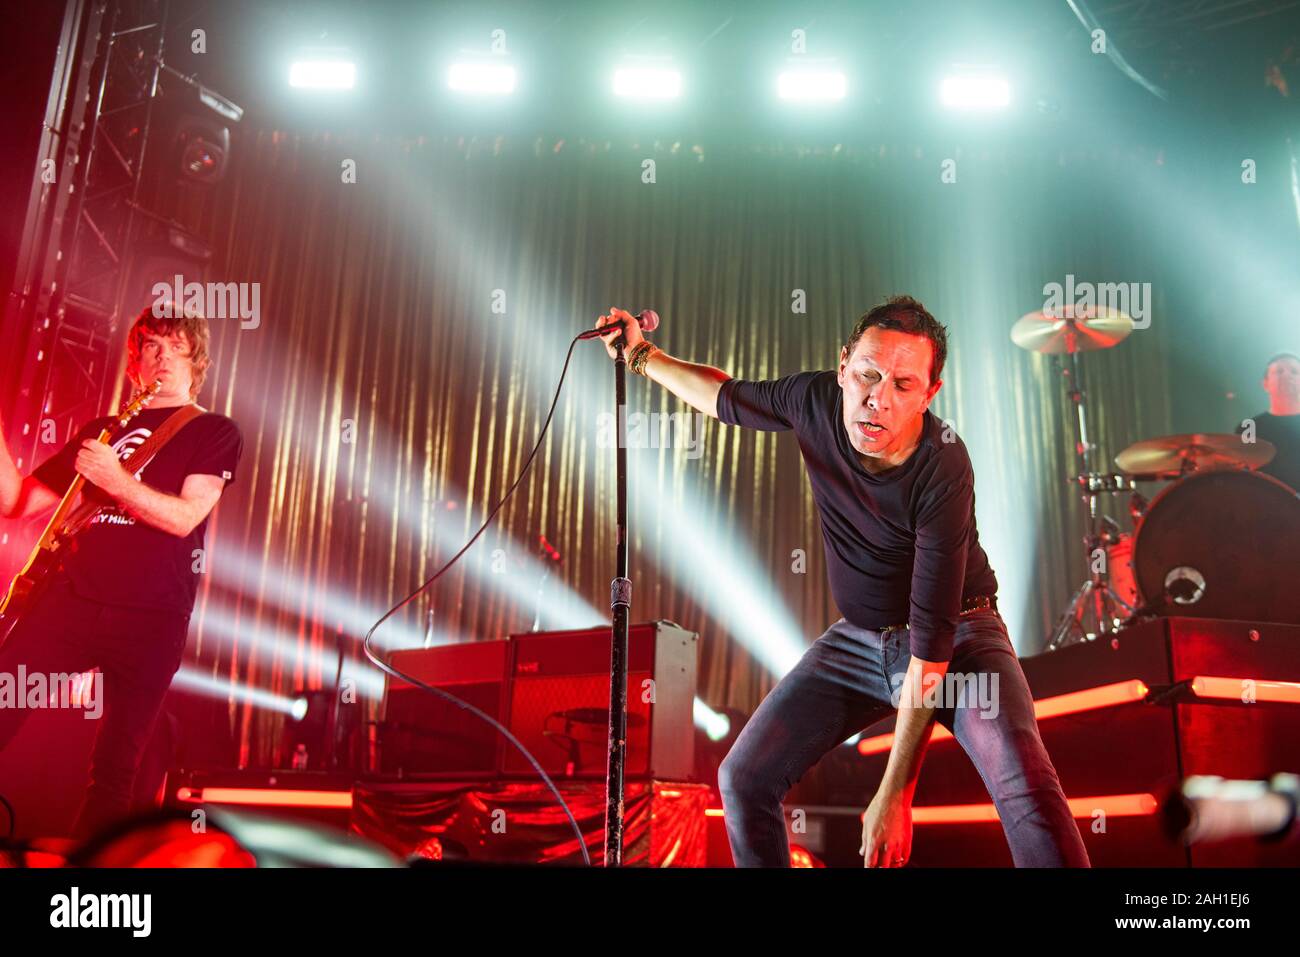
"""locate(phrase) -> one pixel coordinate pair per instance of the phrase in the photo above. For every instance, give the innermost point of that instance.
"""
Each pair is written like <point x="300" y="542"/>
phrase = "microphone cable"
<point x="465" y="705"/>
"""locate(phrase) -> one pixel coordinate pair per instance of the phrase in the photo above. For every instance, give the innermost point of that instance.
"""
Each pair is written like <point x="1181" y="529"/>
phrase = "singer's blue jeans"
<point x="846" y="682"/>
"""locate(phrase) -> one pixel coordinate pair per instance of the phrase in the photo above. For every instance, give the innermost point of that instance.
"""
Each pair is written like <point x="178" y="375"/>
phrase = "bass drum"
<point x="1221" y="544"/>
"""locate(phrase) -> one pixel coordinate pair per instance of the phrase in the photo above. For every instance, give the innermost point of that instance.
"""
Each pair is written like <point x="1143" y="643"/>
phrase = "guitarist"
<point x="122" y="595"/>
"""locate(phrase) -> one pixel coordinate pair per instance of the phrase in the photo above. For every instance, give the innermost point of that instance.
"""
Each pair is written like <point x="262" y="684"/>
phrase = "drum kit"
<point x="1220" y="540"/>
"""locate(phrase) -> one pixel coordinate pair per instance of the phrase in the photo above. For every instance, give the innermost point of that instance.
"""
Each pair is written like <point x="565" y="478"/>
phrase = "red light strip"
<point x="1112" y="805"/>
<point x="266" y="797"/>
<point x="1234" y="689"/>
<point x="1103" y="696"/>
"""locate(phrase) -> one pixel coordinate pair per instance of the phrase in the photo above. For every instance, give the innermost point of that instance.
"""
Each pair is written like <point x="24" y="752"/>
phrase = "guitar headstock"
<point x="136" y="405"/>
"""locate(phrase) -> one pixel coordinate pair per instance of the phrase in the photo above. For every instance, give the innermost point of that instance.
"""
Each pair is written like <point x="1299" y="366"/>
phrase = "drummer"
<point x="1281" y="423"/>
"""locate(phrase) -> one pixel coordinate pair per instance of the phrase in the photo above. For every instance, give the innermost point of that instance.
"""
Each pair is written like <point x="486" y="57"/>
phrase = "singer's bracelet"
<point x="635" y="354"/>
<point x="644" y="357"/>
<point x="641" y="355"/>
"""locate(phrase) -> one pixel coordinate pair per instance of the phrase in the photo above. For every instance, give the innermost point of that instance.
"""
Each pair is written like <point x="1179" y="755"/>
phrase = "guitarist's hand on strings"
<point x="101" y="466"/>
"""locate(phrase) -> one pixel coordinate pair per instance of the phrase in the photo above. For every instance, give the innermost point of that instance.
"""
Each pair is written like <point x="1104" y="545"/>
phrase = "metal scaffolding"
<point x="63" y="314"/>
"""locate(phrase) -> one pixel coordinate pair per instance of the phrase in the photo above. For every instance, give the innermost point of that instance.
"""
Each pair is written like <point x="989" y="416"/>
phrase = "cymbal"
<point x="1072" y="328"/>
<point x="1172" y="455"/>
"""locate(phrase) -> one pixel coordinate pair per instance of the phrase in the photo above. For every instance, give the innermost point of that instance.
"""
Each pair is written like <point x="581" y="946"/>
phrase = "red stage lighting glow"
<point x="170" y="843"/>
<point x="801" y="857"/>
<point x="1103" y="696"/>
<point x="266" y="797"/>
<point x="1246" y="689"/>
<point x="1112" y="805"/>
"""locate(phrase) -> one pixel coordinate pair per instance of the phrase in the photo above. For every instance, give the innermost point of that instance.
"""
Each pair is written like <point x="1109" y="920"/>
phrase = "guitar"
<point x="68" y="519"/>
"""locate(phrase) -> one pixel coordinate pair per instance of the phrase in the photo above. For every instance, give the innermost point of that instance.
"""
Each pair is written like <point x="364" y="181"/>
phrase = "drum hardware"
<point x="1067" y="333"/>
<point x="1177" y="456"/>
<point x="1096" y="598"/>
<point x="1105" y="482"/>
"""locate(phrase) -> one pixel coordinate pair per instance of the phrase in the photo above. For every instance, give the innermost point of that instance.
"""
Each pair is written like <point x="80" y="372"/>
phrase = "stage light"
<point x="198" y="119"/>
<point x="716" y="726"/>
<point x="812" y="85"/>
<point x="333" y="74"/>
<point x="975" y="90"/>
<point x="715" y="566"/>
<point x="321" y="727"/>
<point x="1246" y="689"/>
<point x="1074" y="702"/>
<point x="710" y="560"/>
<point x="269" y="579"/>
<point x="1295" y="179"/>
<point x="1111" y="805"/>
<point x="485" y="77"/>
<point x="188" y="679"/>
<point x="801" y="857"/>
<point x="279" y="646"/>
<point x="266" y="797"/>
<point x="647" y="83"/>
<point x="203" y="159"/>
<point x="725" y="578"/>
<point x="510" y="568"/>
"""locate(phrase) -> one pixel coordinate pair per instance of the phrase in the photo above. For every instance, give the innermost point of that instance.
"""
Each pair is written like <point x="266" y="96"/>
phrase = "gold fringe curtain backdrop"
<point x="414" y="322"/>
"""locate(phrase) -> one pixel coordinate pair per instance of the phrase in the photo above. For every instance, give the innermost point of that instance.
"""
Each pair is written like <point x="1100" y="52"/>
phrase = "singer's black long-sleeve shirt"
<point x="901" y="546"/>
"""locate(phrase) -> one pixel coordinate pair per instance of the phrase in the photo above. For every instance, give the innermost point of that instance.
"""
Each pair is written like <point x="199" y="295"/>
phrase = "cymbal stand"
<point x="1095" y="602"/>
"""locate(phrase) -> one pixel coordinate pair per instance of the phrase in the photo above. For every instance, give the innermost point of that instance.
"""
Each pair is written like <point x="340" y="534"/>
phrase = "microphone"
<point x="647" y="319"/>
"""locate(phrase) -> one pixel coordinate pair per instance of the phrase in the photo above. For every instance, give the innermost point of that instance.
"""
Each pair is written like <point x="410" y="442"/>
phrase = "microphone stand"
<point x="537" y="609"/>
<point x="550" y="555"/>
<point x="620" y="603"/>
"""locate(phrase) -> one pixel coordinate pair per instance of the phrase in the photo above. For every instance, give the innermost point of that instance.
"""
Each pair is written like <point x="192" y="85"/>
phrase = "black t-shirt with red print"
<point x="118" y="559"/>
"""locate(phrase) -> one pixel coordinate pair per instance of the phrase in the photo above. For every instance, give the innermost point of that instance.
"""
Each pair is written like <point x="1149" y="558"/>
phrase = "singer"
<point x="895" y="490"/>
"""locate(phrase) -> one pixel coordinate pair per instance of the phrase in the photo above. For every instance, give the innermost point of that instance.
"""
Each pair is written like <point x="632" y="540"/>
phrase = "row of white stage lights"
<point x="964" y="88"/>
